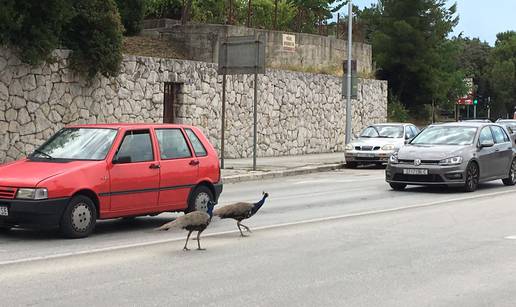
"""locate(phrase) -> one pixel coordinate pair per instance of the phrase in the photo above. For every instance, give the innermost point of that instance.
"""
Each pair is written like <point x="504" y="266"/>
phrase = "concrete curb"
<point x="259" y="175"/>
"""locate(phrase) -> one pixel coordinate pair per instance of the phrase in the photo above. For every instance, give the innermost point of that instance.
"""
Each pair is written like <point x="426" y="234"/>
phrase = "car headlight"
<point x="35" y="194"/>
<point x="394" y="158"/>
<point x="451" y="161"/>
<point x="349" y="147"/>
<point x="388" y="147"/>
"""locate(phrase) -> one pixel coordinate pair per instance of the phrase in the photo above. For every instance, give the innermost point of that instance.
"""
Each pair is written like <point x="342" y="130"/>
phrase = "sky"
<point x="477" y="18"/>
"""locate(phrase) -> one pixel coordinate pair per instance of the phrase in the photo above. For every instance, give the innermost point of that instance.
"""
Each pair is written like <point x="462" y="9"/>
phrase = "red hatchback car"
<point x="89" y="172"/>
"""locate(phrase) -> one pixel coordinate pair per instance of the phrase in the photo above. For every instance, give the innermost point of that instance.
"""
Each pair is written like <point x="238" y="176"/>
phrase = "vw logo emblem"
<point x="417" y="162"/>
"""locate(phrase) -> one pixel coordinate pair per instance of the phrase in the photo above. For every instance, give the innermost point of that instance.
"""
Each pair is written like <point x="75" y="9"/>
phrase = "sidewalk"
<point x="237" y="170"/>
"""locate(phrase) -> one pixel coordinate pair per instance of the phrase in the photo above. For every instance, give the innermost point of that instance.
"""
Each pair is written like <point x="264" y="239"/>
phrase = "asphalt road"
<point x="341" y="238"/>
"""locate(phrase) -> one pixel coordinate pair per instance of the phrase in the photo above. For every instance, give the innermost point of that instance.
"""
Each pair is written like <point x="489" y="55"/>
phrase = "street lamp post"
<point x="350" y="46"/>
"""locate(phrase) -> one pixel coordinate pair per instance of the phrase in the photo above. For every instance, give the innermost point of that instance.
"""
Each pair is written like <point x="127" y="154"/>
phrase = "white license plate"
<point x="415" y="171"/>
<point x="4" y="211"/>
<point x="365" y="155"/>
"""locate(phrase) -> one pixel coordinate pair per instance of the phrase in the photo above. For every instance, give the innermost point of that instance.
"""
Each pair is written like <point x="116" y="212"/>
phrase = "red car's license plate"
<point x="4" y="211"/>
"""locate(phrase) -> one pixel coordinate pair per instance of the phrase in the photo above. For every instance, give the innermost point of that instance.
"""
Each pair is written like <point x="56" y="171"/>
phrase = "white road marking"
<point x="323" y="180"/>
<point x="510" y="238"/>
<point x="316" y="220"/>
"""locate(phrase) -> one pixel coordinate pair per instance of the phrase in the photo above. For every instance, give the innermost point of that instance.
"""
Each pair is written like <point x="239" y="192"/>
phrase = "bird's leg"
<point x="246" y="228"/>
<point x="186" y="243"/>
<point x="199" y="241"/>
<point x="238" y="225"/>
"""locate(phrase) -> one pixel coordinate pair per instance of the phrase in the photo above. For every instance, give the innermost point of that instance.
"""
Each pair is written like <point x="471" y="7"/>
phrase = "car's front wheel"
<point x="472" y="177"/>
<point x="511" y="180"/>
<point x="398" y="186"/>
<point x="199" y="198"/>
<point x="79" y="218"/>
<point x="351" y="165"/>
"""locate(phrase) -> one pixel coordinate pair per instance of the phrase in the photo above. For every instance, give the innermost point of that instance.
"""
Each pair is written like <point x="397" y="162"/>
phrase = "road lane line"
<point x="309" y="221"/>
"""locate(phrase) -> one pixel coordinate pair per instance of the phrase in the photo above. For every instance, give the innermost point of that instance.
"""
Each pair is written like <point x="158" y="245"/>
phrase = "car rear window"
<point x="199" y="149"/>
<point x="172" y="144"/>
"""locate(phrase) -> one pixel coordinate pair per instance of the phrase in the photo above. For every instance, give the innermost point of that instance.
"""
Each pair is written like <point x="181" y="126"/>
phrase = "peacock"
<point x="193" y="221"/>
<point x="240" y="211"/>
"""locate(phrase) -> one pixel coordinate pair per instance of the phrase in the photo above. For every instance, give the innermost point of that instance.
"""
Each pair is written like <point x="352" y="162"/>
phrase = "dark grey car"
<point x="454" y="154"/>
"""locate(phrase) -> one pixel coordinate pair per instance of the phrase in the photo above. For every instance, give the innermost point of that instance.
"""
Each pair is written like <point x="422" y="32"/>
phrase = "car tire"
<point x="511" y="180"/>
<point x="472" y="177"/>
<point x="398" y="186"/>
<point x="351" y="165"/>
<point x="79" y="218"/>
<point x="5" y="228"/>
<point x="198" y="200"/>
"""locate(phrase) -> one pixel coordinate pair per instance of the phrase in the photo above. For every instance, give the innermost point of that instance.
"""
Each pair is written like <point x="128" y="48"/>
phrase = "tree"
<point x="408" y="39"/>
<point x="503" y="73"/>
<point x="131" y="12"/>
<point x="34" y="28"/>
<point x="95" y="38"/>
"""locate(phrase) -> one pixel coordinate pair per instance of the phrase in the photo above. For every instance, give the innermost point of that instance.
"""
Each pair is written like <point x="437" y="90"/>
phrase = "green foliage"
<point x="131" y="12"/>
<point x="163" y="9"/>
<point x="503" y="73"/>
<point x="396" y="111"/>
<point x="409" y="39"/>
<point x="95" y="37"/>
<point x="33" y="28"/>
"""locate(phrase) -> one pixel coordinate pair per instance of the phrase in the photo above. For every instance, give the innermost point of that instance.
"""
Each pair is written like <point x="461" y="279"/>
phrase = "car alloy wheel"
<point x="472" y="177"/>
<point x="199" y="199"/>
<point x="511" y="180"/>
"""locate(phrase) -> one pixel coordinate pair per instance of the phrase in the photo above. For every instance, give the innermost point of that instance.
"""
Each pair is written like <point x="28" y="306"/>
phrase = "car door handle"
<point x="194" y="162"/>
<point x="154" y="166"/>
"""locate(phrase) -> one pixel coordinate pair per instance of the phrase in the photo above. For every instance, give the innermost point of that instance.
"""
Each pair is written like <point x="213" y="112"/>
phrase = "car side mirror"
<point x="486" y="144"/>
<point x="122" y="160"/>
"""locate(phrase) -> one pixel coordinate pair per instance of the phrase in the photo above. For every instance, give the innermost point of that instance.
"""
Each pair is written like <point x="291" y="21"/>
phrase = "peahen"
<point x="193" y="221"/>
<point x="240" y="211"/>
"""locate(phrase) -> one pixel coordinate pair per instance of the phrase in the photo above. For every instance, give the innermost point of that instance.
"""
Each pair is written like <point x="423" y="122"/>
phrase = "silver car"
<point x="454" y="154"/>
<point x="376" y="143"/>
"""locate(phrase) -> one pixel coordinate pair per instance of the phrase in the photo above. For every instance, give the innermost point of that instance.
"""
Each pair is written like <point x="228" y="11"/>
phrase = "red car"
<point x="89" y="172"/>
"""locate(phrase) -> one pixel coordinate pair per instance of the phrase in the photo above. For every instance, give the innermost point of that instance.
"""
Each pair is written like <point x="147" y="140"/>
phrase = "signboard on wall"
<point x="242" y="55"/>
<point x="289" y="42"/>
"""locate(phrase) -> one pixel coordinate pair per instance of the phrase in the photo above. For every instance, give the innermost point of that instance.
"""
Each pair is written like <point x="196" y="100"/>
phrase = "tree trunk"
<point x="275" y="14"/>
<point x="249" y="10"/>
<point x="185" y="15"/>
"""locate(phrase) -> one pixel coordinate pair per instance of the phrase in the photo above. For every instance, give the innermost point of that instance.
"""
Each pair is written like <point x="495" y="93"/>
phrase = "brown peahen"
<point x="193" y="221"/>
<point x="240" y="211"/>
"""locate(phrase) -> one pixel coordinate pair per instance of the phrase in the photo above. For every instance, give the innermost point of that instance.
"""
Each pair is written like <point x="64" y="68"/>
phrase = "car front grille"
<point x="7" y="193"/>
<point x="418" y="178"/>
<point x="423" y="162"/>
<point x="367" y="148"/>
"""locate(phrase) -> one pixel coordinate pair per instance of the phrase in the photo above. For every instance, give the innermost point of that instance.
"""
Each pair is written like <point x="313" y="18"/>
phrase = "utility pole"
<point x="489" y="107"/>
<point x="350" y="46"/>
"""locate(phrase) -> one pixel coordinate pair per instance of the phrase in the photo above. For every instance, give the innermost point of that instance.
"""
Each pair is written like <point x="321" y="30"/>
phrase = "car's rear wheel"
<point x="472" y="177"/>
<point x="5" y="228"/>
<point x="79" y="218"/>
<point x="198" y="200"/>
<point x="398" y="186"/>
<point x="511" y="180"/>
<point x="351" y="164"/>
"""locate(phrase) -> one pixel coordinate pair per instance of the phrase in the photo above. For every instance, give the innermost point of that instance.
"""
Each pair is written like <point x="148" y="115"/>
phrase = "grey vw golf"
<point x="454" y="154"/>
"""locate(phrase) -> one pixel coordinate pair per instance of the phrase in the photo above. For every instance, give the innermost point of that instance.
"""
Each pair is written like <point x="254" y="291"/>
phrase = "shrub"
<point x="396" y="111"/>
<point x="95" y="38"/>
<point x="163" y="9"/>
<point x="33" y="28"/>
<point x="131" y="12"/>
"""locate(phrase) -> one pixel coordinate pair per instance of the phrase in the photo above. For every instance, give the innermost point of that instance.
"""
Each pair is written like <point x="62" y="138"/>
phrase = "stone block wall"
<point x="297" y="113"/>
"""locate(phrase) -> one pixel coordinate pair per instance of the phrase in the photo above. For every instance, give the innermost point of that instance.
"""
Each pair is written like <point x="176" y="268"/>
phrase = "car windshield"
<point x="77" y="144"/>
<point x="446" y="135"/>
<point x="382" y="131"/>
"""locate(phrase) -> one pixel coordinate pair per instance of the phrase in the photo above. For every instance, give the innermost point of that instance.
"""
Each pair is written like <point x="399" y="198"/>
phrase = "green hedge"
<point x="131" y="12"/>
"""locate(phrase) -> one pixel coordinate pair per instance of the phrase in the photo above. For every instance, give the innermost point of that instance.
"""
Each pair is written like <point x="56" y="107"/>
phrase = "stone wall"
<point x="200" y="42"/>
<point x="298" y="113"/>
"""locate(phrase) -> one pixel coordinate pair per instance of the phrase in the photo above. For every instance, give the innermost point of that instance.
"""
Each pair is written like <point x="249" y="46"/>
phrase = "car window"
<point x="414" y="129"/>
<point x="172" y="144"/>
<point x="137" y="146"/>
<point x="446" y="135"/>
<point x="499" y="135"/>
<point x="409" y="132"/>
<point x="486" y="135"/>
<point x="199" y="149"/>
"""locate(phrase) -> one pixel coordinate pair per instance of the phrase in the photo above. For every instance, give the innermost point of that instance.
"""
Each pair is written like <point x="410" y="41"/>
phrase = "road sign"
<point x="242" y="55"/>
